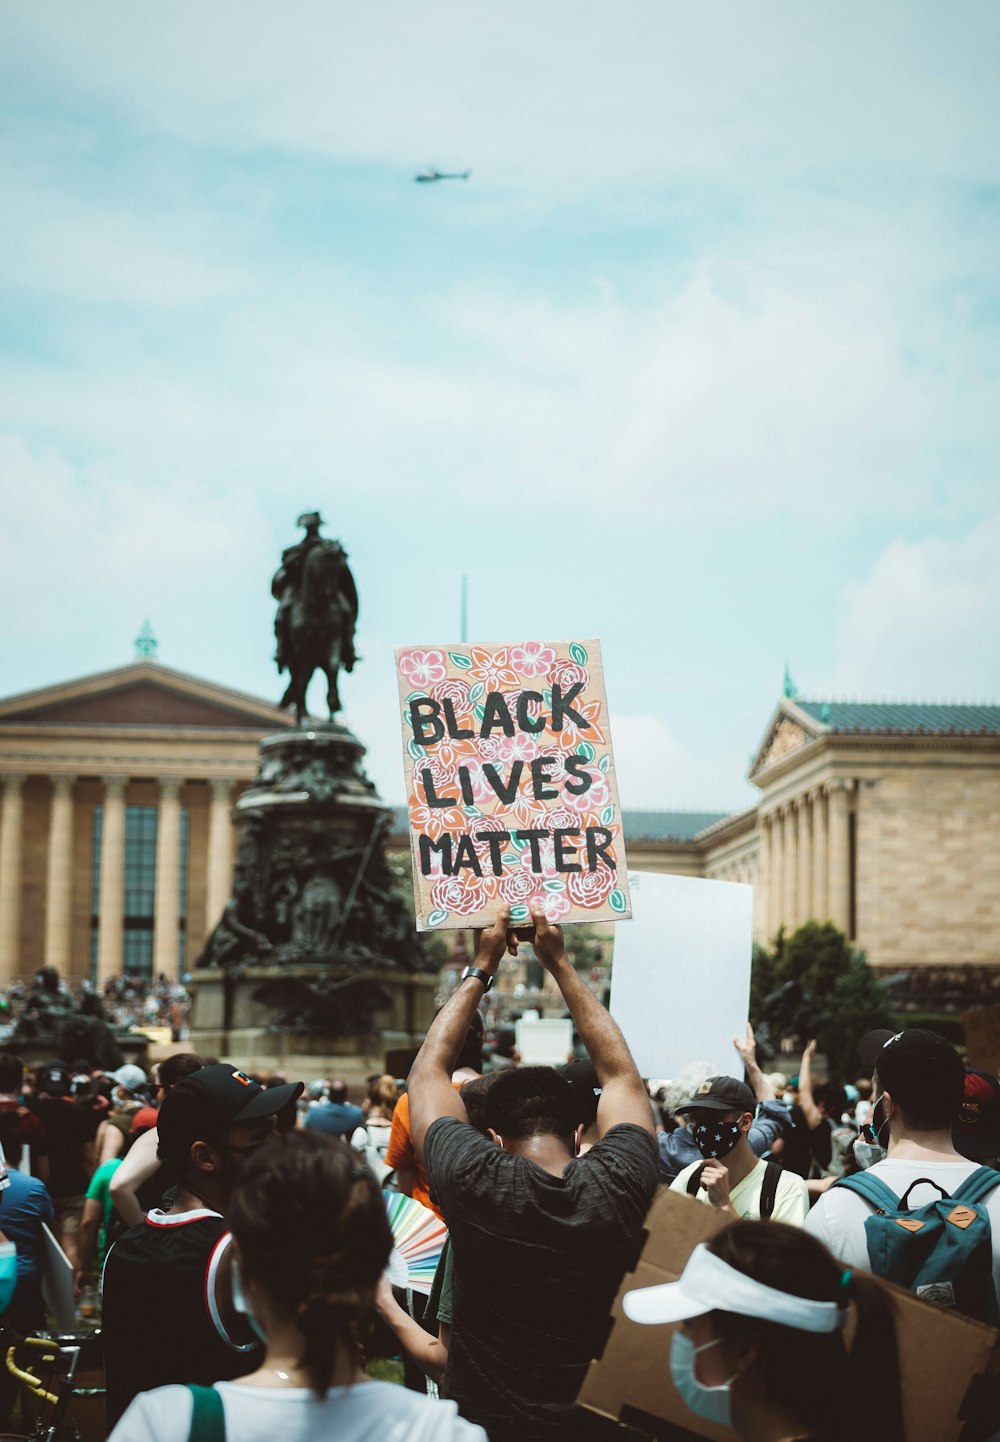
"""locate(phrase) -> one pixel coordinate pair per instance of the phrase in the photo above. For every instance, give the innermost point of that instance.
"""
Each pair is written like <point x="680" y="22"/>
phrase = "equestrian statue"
<point x="316" y="617"/>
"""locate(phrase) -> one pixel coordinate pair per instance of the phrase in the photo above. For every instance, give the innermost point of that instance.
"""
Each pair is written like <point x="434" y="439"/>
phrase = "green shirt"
<point x="100" y="1191"/>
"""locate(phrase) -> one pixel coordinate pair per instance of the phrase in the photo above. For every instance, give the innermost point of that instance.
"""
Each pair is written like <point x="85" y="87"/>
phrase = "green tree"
<point x="815" y="984"/>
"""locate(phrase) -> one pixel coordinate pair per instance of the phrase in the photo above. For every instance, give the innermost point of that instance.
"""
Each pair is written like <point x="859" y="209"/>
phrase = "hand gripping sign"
<point x="511" y="783"/>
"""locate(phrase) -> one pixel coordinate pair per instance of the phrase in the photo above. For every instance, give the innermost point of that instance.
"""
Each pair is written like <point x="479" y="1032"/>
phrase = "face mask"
<point x="8" y="1273"/>
<point x="716" y="1139"/>
<point x="711" y="1403"/>
<point x="879" y="1127"/>
<point x="240" y="1303"/>
<point x="868" y="1153"/>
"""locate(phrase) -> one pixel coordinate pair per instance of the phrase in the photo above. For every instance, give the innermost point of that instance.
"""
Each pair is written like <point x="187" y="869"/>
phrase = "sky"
<point x="702" y="359"/>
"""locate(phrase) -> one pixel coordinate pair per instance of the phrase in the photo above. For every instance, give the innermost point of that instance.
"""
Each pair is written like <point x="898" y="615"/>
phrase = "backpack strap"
<point x="872" y="1189"/>
<point x="769" y="1190"/>
<point x="208" y="1420"/>
<point x="694" y="1180"/>
<point x="977" y="1186"/>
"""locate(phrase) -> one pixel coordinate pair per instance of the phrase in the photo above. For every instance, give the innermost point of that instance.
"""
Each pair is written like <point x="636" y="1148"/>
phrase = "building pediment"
<point x="143" y="694"/>
<point x="789" y="730"/>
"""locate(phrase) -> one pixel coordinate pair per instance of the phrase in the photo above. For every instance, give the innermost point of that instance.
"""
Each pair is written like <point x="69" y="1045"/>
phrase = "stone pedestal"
<point x="314" y="948"/>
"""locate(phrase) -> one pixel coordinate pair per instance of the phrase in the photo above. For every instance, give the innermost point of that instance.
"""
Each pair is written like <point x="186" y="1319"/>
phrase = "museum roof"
<point x="914" y="718"/>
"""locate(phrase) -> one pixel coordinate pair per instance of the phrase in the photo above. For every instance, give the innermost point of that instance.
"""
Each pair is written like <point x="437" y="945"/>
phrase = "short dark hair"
<point x="175" y="1068"/>
<point x="925" y="1076"/>
<point x="833" y="1097"/>
<point x="531" y="1101"/>
<point x="11" y="1072"/>
<point x="338" y="1092"/>
<point x="473" y="1094"/>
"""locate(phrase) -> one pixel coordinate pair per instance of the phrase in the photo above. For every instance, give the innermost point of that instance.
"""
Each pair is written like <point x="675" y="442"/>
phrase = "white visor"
<point x="708" y="1284"/>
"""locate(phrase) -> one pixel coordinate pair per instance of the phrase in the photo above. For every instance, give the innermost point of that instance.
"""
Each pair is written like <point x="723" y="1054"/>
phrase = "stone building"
<point x="116" y="843"/>
<point x="116" y="839"/>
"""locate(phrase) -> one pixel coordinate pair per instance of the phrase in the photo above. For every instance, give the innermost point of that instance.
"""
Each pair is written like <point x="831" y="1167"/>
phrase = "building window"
<point x="140" y="889"/>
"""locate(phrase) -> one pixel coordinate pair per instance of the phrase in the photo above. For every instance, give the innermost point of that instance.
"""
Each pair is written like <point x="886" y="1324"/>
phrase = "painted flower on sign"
<point x="434" y="821"/>
<point x="569" y="674"/>
<point x="423" y="668"/>
<point x="493" y="669"/>
<point x="554" y="904"/>
<point x="591" y="888"/>
<point x="532" y="658"/>
<point x="457" y="692"/>
<point x="452" y="893"/>
<point x="516" y="886"/>
<point x="597" y="794"/>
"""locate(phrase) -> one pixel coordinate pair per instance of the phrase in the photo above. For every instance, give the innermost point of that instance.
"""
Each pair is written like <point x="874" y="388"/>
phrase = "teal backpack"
<point x="942" y="1251"/>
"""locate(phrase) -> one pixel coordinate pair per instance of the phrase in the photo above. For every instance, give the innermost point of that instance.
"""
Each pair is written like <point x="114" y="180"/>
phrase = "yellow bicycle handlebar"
<point x="28" y="1377"/>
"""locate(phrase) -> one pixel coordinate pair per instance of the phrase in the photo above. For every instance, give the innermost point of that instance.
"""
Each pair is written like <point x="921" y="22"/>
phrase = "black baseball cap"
<point x="975" y="1131"/>
<point x="54" y="1080"/>
<point x="232" y="1096"/>
<point x="915" y="1066"/>
<point x="720" y="1094"/>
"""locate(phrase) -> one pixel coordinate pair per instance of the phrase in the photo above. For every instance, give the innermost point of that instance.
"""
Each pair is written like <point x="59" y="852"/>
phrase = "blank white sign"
<point x="680" y="983"/>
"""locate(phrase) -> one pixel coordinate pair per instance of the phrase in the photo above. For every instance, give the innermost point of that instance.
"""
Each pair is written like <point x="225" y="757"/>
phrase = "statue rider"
<point x="287" y="580"/>
<point x="317" y="613"/>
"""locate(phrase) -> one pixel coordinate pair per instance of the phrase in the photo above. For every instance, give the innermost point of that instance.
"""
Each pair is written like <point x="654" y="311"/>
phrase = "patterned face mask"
<point x="716" y="1139"/>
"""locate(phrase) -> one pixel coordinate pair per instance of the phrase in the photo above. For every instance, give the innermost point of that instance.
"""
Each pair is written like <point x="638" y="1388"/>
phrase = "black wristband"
<point x="480" y="975"/>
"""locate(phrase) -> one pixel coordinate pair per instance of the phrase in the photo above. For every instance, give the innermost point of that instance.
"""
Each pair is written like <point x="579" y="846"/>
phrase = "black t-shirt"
<point x="69" y="1129"/>
<point x="538" y="1260"/>
<point x="159" y="1323"/>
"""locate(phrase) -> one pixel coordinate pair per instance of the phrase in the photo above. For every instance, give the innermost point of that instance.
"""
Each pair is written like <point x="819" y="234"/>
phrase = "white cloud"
<point x="924" y="624"/>
<point x="656" y="772"/>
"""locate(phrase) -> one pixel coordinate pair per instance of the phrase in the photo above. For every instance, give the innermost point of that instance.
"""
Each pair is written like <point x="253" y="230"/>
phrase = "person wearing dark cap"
<point x="918" y="1087"/>
<point x="730" y="1178"/>
<point x="174" y="1266"/>
<point x="976" y="1129"/>
<point x="70" y="1132"/>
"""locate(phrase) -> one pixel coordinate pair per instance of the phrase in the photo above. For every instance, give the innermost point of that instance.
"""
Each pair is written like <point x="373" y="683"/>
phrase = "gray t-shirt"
<point x="538" y="1260"/>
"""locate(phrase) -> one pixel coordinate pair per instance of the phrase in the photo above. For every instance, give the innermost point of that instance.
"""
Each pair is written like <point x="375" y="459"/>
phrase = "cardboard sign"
<point x="57" y="1281"/>
<point x="680" y="985"/>
<point x="510" y="783"/>
<point x="943" y="1355"/>
<point x="982" y="1037"/>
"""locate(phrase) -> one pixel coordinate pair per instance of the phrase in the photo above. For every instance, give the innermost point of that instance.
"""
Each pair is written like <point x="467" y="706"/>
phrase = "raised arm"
<point x="623" y="1094"/>
<point x="810" y="1110"/>
<point x="763" y="1088"/>
<point x="428" y="1086"/>
<point x="140" y="1164"/>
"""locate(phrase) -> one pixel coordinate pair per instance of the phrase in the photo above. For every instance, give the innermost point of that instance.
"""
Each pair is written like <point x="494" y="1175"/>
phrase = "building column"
<point x="839" y="852"/>
<point x="777" y="865"/>
<point x="11" y="835"/>
<point x="821" y="910"/>
<point x="59" y="875"/>
<point x="788" y="871"/>
<point x="111" y="895"/>
<point x="762" y="888"/>
<point x="220" y="852"/>
<point x="804" y="902"/>
<point x="166" y="909"/>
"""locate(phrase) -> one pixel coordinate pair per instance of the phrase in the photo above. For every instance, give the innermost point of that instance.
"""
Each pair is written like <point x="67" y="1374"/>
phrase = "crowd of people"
<point x="238" y="1228"/>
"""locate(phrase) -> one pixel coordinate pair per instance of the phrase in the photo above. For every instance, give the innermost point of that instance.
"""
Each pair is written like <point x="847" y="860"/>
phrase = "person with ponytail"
<point x="762" y="1310"/>
<point x="311" y="1239"/>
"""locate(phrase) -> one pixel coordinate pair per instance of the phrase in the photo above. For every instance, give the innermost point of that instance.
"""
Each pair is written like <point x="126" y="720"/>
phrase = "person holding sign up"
<point x="541" y="1236"/>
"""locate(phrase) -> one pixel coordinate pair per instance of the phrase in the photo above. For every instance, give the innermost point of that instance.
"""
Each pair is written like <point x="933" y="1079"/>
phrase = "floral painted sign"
<point x="511" y="783"/>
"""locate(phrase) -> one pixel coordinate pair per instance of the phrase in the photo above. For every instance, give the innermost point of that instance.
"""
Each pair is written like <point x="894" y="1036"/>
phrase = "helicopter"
<point x="427" y="176"/>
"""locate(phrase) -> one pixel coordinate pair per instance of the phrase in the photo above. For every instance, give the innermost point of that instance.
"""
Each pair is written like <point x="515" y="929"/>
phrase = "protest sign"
<point x="543" y="1040"/>
<point x="948" y="1363"/>
<point x="680" y="984"/>
<point x="982" y="1037"/>
<point x="510" y="783"/>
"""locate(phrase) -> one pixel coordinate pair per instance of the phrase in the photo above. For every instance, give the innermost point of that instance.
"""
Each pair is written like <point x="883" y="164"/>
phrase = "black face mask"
<point x="716" y="1139"/>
